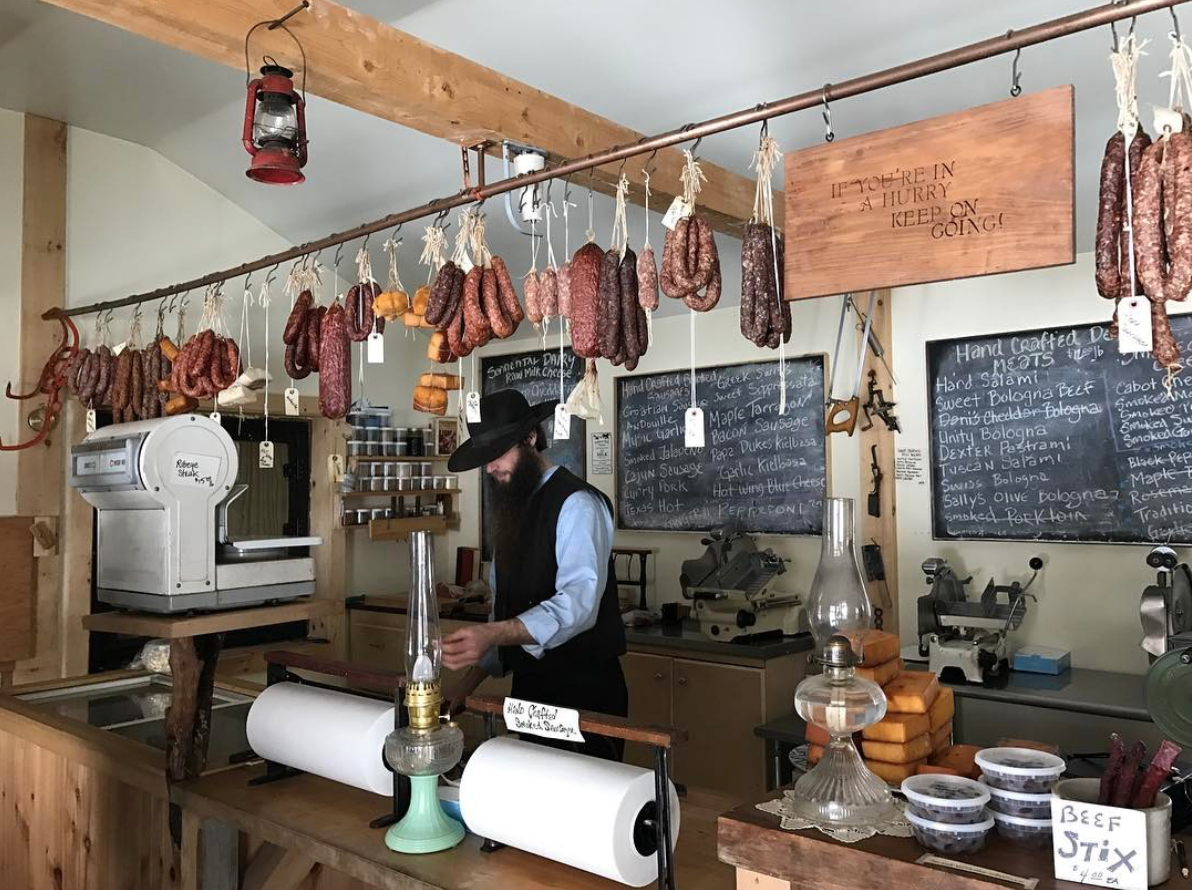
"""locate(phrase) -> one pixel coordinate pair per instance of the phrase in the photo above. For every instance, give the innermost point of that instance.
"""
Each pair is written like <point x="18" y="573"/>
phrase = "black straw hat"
<point x="505" y="419"/>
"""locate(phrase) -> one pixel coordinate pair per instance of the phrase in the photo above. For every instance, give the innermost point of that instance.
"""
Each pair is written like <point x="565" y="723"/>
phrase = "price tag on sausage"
<point x="472" y="407"/>
<point x="119" y="348"/>
<point x="291" y="400"/>
<point x="1168" y="120"/>
<point x="376" y="348"/>
<point x="265" y="455"/>
<point x="215" y="417"/>
<point x="90" y="420"/>
<point x="693" y="433"/>
<point x="1099" y="845"/>
<point x="562" y="423"/>
<point x="466" y="264"/>
<point x="679" y="209"/>
<point x="1135" y="333"/>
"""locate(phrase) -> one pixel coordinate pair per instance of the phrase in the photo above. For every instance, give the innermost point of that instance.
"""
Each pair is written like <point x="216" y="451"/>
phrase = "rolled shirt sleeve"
<point x="583" y="543"/>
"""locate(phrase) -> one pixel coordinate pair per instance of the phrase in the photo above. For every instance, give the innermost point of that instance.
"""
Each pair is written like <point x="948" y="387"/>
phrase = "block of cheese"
<point x="815" y="735"/>
<point x="960" y="758"/>
<point x="879" y="647"/>
<point x="943" y="708"/>
<point x="814" y="753"/>
<point x="912" y="692"/>
<point x="893" y="773"/>
<point x="883" y="673"/>
<point x="942" y="737"/>
<point x="897" y="752"/>
<point x="897" y="728"/>
<point x="927" y="769"/>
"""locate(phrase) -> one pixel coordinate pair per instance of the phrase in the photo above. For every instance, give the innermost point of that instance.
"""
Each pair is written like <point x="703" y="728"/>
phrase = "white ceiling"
<point x="651" y="66"/>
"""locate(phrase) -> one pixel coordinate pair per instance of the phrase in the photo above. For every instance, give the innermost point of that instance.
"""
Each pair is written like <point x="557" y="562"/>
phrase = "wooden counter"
<point x="306" y="824"/>
<point x="768" y="858"/>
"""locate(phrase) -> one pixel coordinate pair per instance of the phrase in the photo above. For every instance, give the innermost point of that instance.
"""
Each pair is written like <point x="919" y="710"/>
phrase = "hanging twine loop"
<point x="481" y="255"/>
<point x="463" y="238"/>
<point x="1179" y="97"/>
<point x="434" y="245"/>
<point x="1124" y="60"/>
<point x="364" y="272"/>
<point x="692" y="178"/>
<point x="620" y="235"/>
<point x="393" y="280"/>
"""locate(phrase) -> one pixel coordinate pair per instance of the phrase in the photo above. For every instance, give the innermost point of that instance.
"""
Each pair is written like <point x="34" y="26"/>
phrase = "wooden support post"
<point x="329" y="557"/>
<point x="188" y="721"/>
<point x="882" y="529"/>
<point x="40" y="476"/>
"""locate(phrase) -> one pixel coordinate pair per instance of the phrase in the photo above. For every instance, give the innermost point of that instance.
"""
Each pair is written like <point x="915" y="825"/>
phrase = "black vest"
<point x="527" y="578"/>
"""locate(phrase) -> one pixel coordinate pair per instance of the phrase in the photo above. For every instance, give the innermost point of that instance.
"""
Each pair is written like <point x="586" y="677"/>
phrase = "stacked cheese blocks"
<point x="915" y="736"/>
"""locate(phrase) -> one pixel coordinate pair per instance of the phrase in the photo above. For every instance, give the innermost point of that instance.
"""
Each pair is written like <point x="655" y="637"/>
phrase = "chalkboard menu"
<point x="1051" y="435"/>
<point x="766" y="471"/>
<point x="535" y="374"/>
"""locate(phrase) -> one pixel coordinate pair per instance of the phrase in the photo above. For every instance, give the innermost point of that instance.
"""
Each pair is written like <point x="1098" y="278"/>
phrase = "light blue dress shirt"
<point x="583" y="543"/>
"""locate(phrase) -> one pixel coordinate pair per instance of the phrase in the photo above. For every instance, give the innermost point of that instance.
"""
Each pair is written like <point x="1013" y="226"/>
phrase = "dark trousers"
<point x="601" y="689"/>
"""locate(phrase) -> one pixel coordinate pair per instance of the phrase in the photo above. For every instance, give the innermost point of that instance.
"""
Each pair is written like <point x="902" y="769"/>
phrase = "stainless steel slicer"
<point x="733" y="587"/>
<point x="161" y="489"/>
<point x="969" y="635"/>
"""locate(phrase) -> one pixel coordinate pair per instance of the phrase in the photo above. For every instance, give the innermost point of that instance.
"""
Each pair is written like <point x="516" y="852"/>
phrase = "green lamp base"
<point x="425" y="828"/>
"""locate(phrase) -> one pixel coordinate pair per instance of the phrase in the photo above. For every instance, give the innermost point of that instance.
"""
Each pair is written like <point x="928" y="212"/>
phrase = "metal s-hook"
<point x="649" y="161"/>
<point x="269" y="276"/>
<point x="1175" y="23"/>
<point x="339" y="250"/>
<point x="826" y="113"/>
<point x="1016" y="75"/>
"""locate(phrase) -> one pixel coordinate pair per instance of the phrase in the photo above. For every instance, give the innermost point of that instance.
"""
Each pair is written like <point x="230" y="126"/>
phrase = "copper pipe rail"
<point x="965" y="55"/>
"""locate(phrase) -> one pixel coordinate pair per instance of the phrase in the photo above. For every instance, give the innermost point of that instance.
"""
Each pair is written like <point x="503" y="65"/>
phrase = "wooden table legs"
<point x="188" y="722"/>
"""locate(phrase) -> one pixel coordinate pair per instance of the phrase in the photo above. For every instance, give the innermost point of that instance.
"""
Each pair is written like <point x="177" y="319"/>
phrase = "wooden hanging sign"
<point x="978" y="192"/>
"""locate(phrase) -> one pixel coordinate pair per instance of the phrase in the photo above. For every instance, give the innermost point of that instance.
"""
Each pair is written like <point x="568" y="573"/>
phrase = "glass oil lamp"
<point x="275" y="127"/>
<point x="426" y="748"/>
<point x="840" y="790"/>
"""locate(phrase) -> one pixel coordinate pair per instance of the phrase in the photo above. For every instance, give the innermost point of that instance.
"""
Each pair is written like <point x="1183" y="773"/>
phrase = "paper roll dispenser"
<point x="161" y="489"/>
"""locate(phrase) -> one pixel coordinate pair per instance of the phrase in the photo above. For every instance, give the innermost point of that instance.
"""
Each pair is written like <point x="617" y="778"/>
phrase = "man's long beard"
<point x="506" y="503"/>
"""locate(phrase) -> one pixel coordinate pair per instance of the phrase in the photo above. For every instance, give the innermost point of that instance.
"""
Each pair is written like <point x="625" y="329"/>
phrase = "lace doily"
<point x="784" y="809"/>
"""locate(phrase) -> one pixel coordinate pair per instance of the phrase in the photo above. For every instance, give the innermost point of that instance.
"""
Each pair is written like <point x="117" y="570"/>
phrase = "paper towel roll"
<point x="331" y="734"/>
<point x="574" y="809"/>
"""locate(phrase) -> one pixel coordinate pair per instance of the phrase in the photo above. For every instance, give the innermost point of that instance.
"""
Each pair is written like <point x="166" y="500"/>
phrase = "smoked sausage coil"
<point x="358" y="311"/>
<point x="530" y="287"/>
<point x="709" y="259"/>
<point x="627" y="273"/>
<point x="609" y="317"/>
<point x="548" y="293"/>
<point x="314" y="332"/>
<point x="1162" y="199"/>
<point x="335" y="363"/>
<point x="297" y="318"/>
<point x="293" y="369"/>
<point x="490" y="299"/>
<point x="1109" y="217"/>
<point x="455" y="294"/>
<point x="456" y="341"/>
<point x="647" y="279"/>
<point x="476" y="325"/>
<point x="1165" y="350"/>
<point x="508" y="292"/>
<point x="565" y="290"/>
<point x="585" y="300"/>
<point x="120" y="386"/>
<point x="749" y="262"/>
<point x="136" y="382"/>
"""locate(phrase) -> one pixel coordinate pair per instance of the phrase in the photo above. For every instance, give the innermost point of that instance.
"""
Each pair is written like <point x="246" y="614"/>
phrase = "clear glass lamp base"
<point x="840" y="790"/>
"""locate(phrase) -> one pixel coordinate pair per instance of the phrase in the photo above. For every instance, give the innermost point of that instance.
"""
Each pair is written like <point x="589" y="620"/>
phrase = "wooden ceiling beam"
<point x="365" y="64"/>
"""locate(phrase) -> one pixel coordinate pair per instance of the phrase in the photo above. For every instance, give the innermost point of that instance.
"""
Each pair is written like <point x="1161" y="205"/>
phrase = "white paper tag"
<point x="1094" y="844"/>
<point x="562" y="423"/>
<point x="1135" y="333"/>
<point x="1167" y="120"/>
<point x="693" y="436"/>
<point x="265" y="455"/>
<point x="90" y="420"/>
<point x="291" y="400"/>
<point x="677" y="211"/>
<point x="199" y="470"/>
<point x="335" y="468"/>
<point x="472" y="407"/>
<point x="119" y="348"/>
<point x="466" y="264"/>
<point x="546" y="721"/>
<point x="215" y="417"/>
<point x="376" y="348"/>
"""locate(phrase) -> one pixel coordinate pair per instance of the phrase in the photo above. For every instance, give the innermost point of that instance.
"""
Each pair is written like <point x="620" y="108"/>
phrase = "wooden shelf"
<point x="372" y="457"/>
<point x="411" y="493"/>
<point x="174" y="627"/>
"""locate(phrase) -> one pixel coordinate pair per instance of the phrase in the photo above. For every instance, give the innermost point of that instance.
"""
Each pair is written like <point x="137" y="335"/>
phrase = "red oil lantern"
<point x="275" y="127"/>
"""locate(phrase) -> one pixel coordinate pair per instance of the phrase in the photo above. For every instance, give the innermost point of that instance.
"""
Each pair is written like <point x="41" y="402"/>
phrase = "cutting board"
<point x="18" y="588"/>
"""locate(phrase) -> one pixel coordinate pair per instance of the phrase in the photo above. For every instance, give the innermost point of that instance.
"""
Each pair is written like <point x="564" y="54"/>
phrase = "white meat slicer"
<point x="732" y="586"/>
<point x="161" y="489"/>
<point x="969" y="636"/>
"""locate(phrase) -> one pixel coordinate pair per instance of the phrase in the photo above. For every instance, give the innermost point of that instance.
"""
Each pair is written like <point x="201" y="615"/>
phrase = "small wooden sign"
<point x="1099" y="845"/>
<point x="978" y="192"/>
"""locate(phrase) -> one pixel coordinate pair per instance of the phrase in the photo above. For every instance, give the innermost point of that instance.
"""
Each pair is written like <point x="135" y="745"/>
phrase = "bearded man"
<point x="555" y="622"/>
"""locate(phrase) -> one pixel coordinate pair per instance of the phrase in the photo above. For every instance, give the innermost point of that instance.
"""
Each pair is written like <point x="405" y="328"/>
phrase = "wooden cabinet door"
<point x="375" y="645"/>
<point x="648" y="678"/>
<point x="719" y="705"/>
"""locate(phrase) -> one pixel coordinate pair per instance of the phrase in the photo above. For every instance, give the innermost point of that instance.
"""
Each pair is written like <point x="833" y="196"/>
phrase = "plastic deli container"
<point x="1033" y="833"/>
<point x="1020" y="769"/>
<point x="942" y="798"/>
<point x="948" y="837"/>
<point x="1017" y="803"/>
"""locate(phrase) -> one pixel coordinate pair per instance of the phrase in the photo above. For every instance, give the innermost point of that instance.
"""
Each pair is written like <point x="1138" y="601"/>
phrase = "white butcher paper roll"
<point x="568" y="807"/>
<point x="335" y="735"/>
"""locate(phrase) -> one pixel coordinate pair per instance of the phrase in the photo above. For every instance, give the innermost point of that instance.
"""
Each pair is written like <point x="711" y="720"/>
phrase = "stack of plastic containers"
<point x="1020" y="782"/>
<point x="947" y="813"/>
